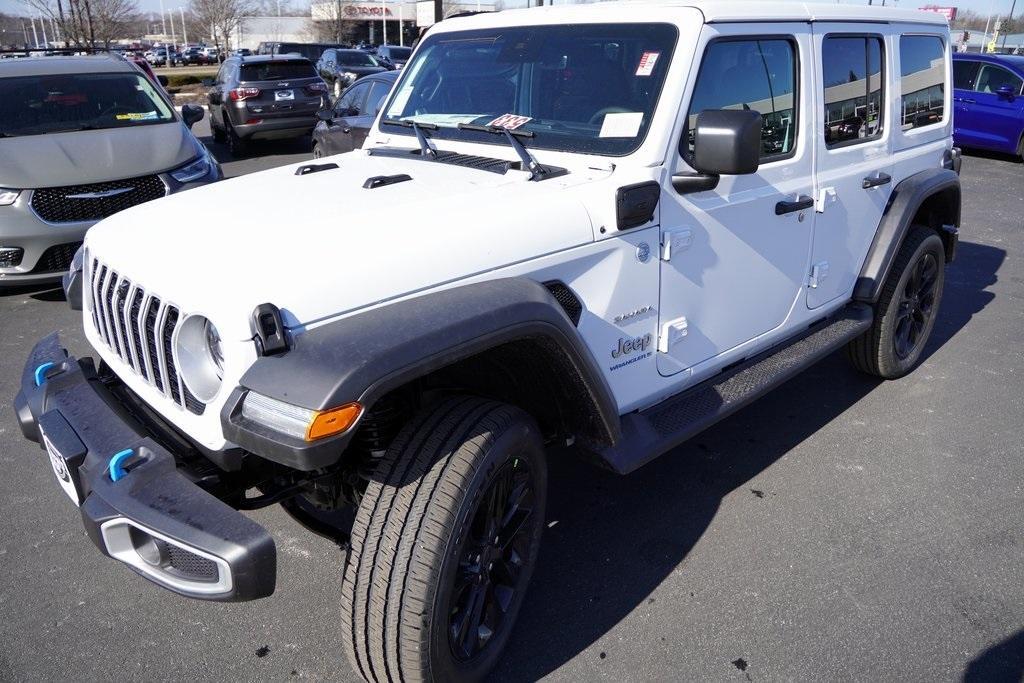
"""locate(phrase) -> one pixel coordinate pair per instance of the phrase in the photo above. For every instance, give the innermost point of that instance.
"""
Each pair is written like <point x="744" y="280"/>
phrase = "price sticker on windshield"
<point x="647" y="62"/>
<point x="509" y="121"/>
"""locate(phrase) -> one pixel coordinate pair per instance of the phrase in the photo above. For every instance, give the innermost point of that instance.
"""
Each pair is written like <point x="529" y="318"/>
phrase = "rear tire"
<point x="906" y="310"/>
<point x="317" y="151"/>
<point x="219" y="136"/>
<point x="428" y="552"/>
<point x="236" y="145"/>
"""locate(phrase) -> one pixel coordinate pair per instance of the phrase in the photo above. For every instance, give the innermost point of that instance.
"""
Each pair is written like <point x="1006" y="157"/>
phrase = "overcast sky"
<point x="983" y="6"/>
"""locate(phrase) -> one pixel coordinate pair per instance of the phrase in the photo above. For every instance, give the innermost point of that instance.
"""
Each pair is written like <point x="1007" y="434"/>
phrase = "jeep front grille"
<point x="138" y="326"/>
<point x="74" y="203"/>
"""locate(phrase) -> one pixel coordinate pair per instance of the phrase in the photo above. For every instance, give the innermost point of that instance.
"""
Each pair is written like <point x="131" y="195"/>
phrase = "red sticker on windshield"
<point x="509" y="121"/>
<point x="647" y="62"/>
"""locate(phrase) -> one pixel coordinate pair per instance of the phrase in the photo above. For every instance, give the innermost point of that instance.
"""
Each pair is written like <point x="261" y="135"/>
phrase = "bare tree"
<point x="87" y="22"/>
<point x="220" y="18"/>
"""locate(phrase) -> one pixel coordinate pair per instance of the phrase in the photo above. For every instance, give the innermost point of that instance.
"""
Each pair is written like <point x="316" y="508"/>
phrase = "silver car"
<point x="82" y="138"/>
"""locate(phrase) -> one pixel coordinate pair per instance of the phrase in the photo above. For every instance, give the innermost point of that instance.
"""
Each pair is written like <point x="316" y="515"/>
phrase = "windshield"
<point x="355" y="58"/>
<point x="277" y="71"/>
<point x="589" y="88"/>
<point x="36" y="105"/>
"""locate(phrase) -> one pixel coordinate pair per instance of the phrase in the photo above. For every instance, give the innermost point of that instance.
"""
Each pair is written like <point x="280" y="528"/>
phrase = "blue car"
<point x="988" y="96"/>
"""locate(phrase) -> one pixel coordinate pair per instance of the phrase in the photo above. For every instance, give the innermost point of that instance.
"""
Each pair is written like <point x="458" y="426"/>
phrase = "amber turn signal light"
<point x="334" y="421"/>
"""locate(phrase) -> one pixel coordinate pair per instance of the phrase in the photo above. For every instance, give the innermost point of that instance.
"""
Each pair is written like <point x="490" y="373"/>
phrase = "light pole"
<point x="1013" y="6"/>
<point x="384" y="20"/>
<point x="163" y="21"/>
<point x="184" y="30"/>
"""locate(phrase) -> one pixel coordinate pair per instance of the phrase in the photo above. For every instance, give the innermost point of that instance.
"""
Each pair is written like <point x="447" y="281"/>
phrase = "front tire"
<point x="443" y="545"/>
<point x="906" y="310"/>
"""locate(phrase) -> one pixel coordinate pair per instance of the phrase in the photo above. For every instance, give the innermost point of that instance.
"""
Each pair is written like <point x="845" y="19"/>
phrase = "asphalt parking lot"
<point x="842" y="528"/>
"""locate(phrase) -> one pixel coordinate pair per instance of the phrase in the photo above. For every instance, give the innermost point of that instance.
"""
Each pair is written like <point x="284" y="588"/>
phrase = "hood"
<point x="93" y="156"/>
<point x="320" y="245"/>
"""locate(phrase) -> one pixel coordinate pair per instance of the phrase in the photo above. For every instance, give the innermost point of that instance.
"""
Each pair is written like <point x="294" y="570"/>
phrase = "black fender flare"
<point x="362" y="357"/>
<point x="904" y="202"/>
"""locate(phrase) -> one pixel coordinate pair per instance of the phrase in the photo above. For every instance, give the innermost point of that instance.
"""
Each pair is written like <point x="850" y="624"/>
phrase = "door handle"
<point x="802" y="202"/>
<point x="346" y="130"/>
<point x="968" y="101"/>
<point x="880" y="179"/>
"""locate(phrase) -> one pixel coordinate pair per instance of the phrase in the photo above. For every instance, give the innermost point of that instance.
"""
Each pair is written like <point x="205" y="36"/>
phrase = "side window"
<point x="991" y="78"/>
<point x="352" y="101"/>
<point x="922" y="80"/>
<point x="754" y="74"/>
<point x="852" y="68"/>
<point x="378" y="91"/>
<point x="965" y="72"/>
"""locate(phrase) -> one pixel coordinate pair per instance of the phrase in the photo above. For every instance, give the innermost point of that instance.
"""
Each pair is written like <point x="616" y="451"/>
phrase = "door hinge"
<point x="675" y="241"/>
<point x="819" y="271"/>
<point x="826" y="196"/>
<point x="672" y="333"/>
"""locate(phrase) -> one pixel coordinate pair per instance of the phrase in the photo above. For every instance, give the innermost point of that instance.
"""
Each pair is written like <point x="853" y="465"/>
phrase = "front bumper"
<point x="138" y="508"/>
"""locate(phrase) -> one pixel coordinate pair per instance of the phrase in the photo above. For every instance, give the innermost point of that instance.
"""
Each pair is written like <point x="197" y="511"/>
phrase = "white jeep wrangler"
<point x="607" y="226"/>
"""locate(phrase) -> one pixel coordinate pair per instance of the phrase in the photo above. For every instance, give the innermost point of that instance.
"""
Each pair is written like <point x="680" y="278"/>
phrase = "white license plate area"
<point x="61" y="471"/>
<point x="284" y="95"/>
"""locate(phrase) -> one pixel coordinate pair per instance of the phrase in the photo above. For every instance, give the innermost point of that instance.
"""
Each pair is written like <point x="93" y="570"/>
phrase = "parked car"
<point x="243" y="52"/>
<point x="158" y="57"/>
<point x="310" y="51"/>
<point x="194" y="56"/>
<point x="143" y="66"/>
<point x="82" y="138"/>
<point x="341" y="68"/>
<point x="988" y="96"/>
<point x="212" y="55"/>
<point x="343" y="127"/>
<point x="393" y="56"/>
<point x="264" y="97"/>
<point x="560" y="264"/>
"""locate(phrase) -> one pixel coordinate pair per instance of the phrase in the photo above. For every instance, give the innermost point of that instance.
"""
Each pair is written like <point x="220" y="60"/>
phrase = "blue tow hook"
<point x="40" y="374"/>
<point x="117" y="471"/>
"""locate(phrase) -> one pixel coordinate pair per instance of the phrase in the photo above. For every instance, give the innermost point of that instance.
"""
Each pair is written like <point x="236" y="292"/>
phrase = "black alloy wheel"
<point x="916" y="306"/>
<point x="490" y="563"/>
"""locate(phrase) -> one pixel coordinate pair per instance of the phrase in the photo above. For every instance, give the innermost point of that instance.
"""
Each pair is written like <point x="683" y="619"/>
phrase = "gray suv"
<point x="264" y="97"/>
<point x="82" y="138"/>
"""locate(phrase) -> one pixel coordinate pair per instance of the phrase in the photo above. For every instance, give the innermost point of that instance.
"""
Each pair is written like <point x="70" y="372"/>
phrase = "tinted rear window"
<point x="276" y="71"/>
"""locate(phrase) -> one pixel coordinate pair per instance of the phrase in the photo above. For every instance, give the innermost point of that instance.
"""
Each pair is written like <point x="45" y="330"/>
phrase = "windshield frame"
<point x="444" y="133"/>
<point x="136" y="73"/>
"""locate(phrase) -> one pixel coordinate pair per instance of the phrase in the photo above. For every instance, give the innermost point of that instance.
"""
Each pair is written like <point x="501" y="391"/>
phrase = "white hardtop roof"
<point x="714" y="11"/>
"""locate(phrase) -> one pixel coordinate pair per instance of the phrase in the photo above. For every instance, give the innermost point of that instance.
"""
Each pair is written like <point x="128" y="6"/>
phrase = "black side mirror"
<point x="207" y="82"/>
<point x="1005" y="92"/>
<point x="163" y="80"/>
<point x="325" y="115"/>
<point x="725" y="142"/>
<point x="191" y="114"/>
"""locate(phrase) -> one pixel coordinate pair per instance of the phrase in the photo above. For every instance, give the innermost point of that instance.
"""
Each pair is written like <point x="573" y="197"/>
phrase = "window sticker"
<point x="510" y="121"/>
<point x="138" y="116"/>
<point x="621" y="124"/>
<point x="647" y="62"/>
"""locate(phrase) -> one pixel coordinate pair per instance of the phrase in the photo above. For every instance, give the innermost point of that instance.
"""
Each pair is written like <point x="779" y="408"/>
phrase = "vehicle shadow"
<point x="612" y="540"/>
<point x="989" y="154"/>
<point x="260" y="149"/>
<point x="1002" y="662"/>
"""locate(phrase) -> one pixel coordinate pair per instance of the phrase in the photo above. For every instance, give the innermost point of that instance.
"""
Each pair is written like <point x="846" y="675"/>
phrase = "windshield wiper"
<point x="537" y="172"/>
<point x="418" y="128"/>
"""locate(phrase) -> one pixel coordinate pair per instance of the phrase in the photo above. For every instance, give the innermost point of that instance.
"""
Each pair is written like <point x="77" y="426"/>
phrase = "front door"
<point x="853" y="161"/>
<point x="734" y="258"/>
<point x="998" y="107"/>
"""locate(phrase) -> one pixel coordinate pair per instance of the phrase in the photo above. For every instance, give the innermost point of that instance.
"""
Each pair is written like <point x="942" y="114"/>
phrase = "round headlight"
<point x="200" y="357"/>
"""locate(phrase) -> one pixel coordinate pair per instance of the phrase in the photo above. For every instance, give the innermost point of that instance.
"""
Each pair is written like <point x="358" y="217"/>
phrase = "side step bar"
<point x="649" y="433"/>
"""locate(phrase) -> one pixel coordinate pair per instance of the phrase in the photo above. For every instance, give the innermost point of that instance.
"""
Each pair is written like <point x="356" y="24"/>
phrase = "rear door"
<point x="966" y="119"/>
<point x="853" y="160"/>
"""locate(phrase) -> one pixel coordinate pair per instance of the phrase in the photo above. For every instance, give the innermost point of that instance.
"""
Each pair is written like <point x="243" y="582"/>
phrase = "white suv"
<point x="607" y="226"/>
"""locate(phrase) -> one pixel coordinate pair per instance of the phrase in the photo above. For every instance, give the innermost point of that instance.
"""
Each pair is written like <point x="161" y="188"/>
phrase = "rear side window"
<point x="964" y="74"/>
<point x="922" y="80"/>
<point x="991" y="78"/>
<point x="276" y="71"/>
<point x="754" y="74"/>
<point x="852" y="67"/>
